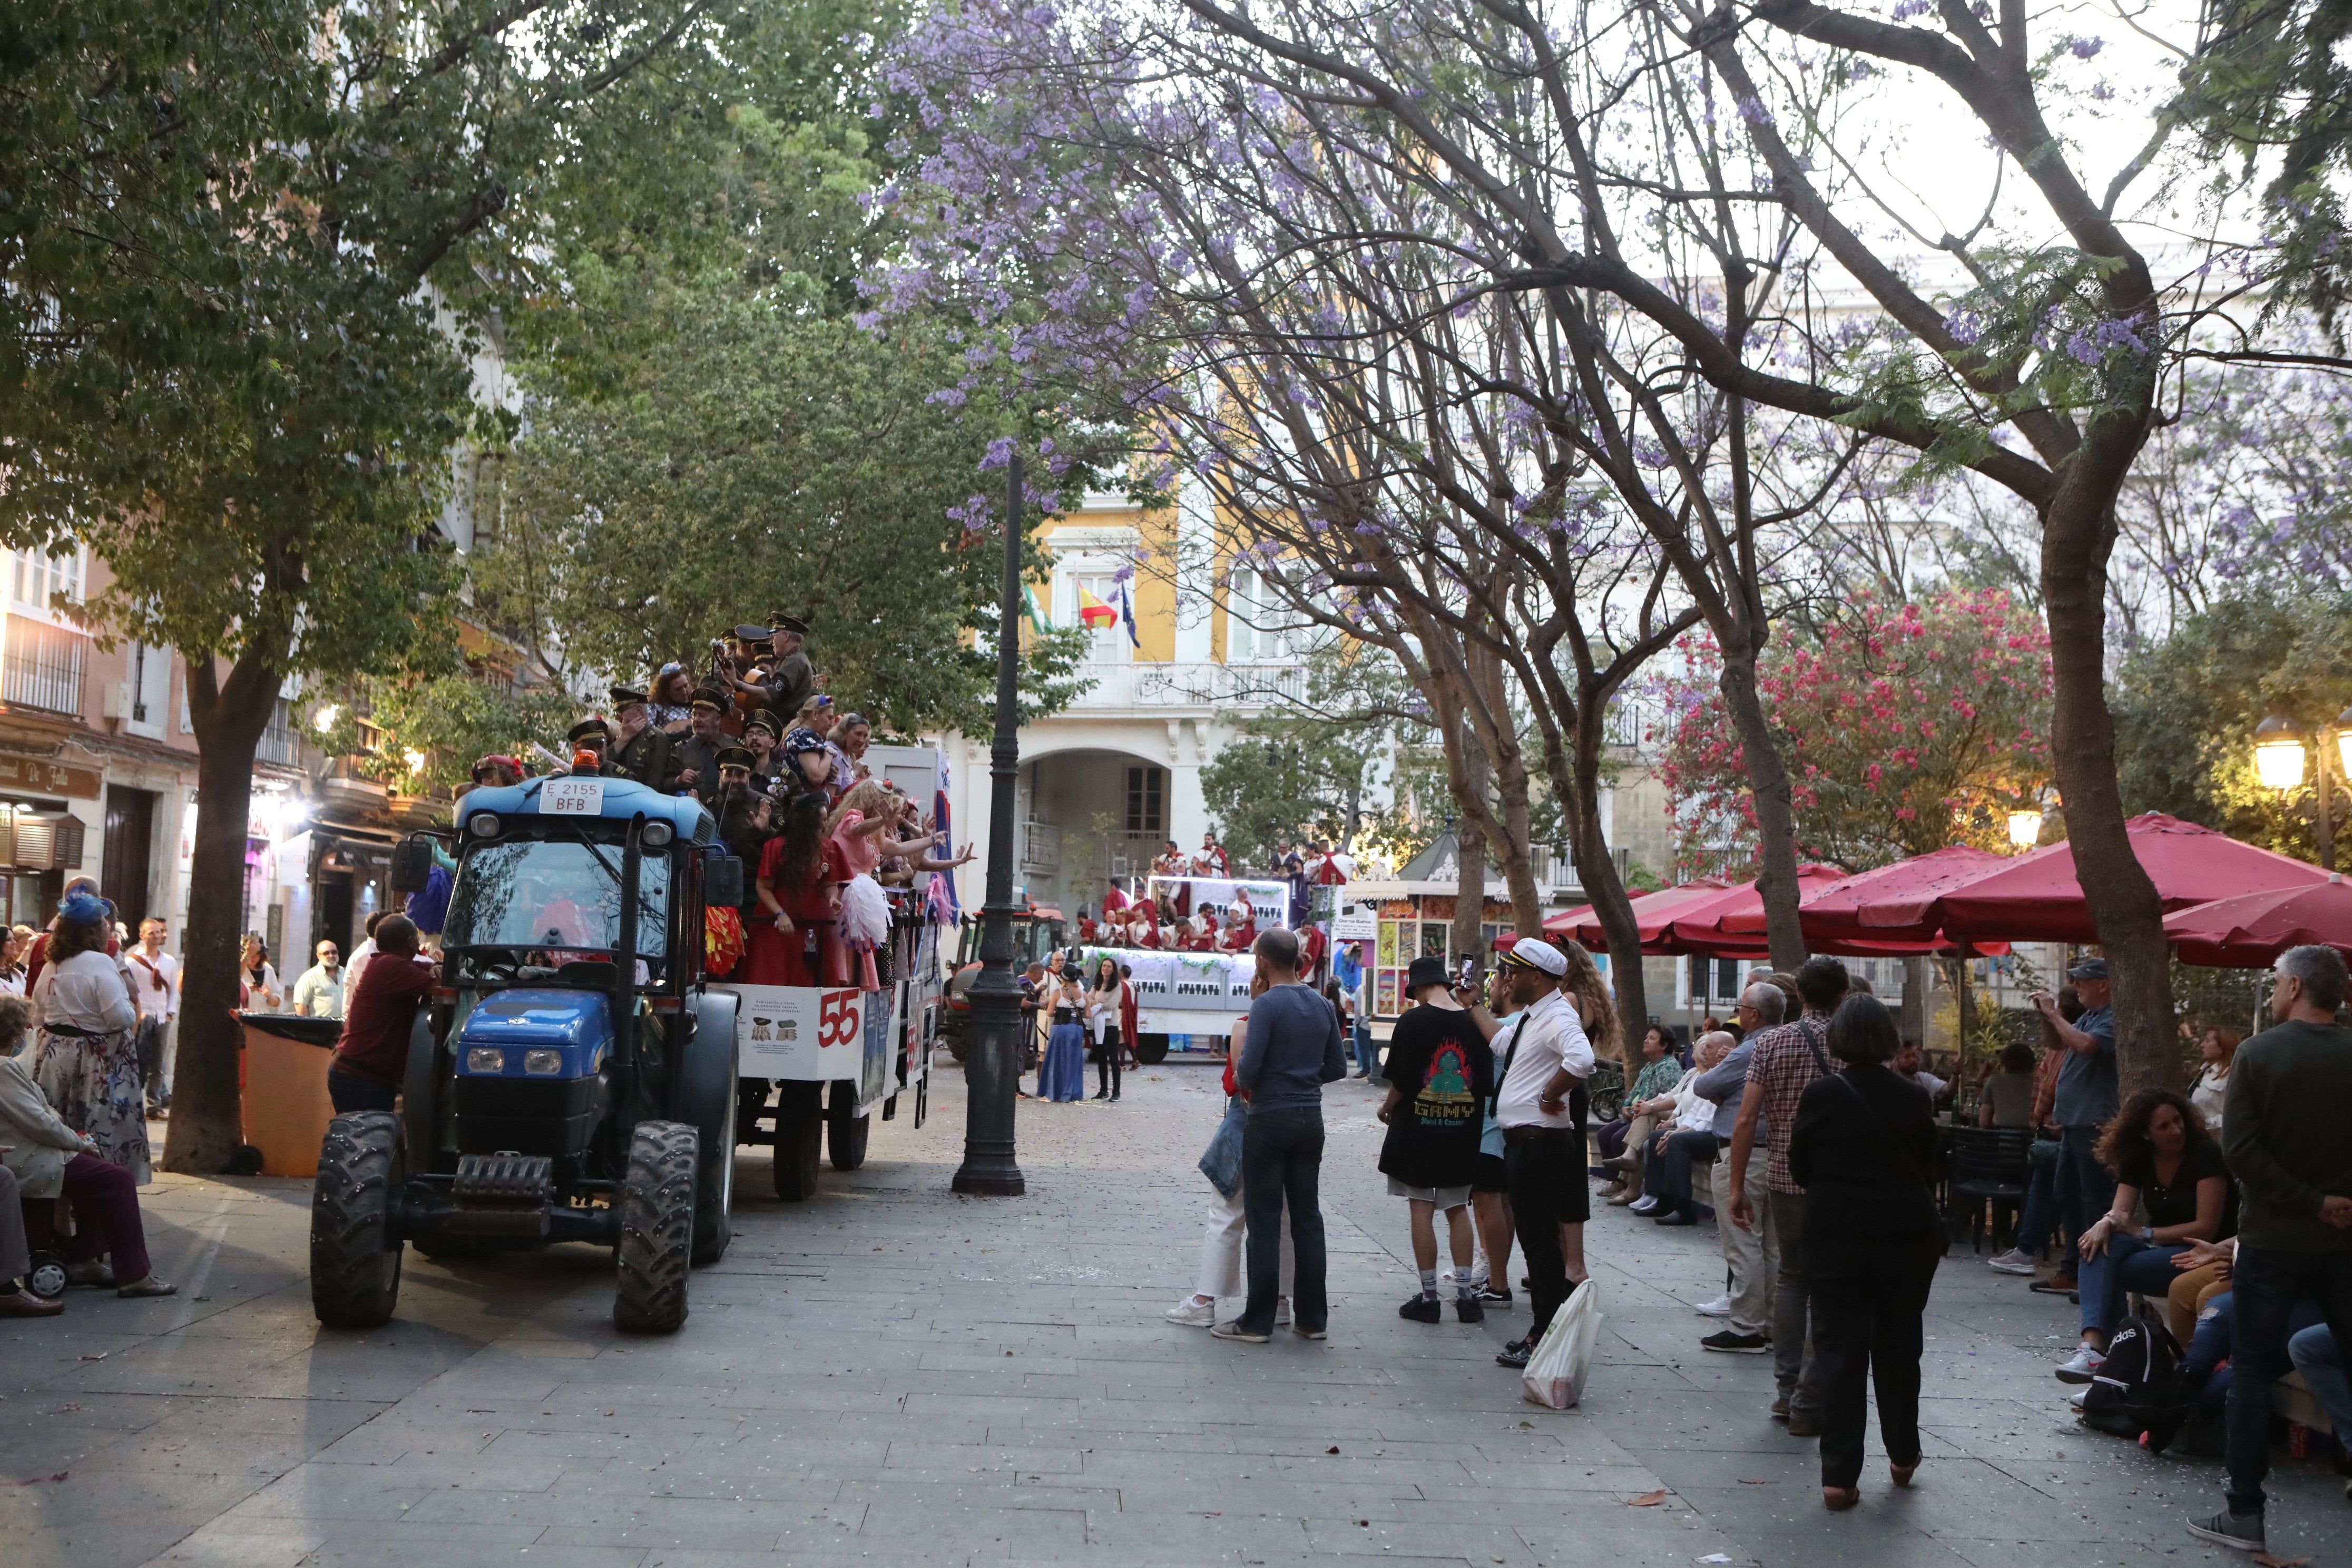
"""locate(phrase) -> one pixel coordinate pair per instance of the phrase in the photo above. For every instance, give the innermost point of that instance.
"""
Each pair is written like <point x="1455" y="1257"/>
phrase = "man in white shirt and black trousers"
<point x="1541" y="1057"/>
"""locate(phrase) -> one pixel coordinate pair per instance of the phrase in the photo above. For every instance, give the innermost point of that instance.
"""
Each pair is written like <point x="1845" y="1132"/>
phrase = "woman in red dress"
<point x="799" y="894"/>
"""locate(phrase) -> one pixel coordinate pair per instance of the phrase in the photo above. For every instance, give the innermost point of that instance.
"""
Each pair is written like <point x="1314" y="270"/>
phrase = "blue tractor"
<point x="571" y="1079"/>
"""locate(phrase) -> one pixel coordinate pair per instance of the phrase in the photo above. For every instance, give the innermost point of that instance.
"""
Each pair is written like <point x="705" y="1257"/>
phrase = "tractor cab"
<point x="572" y="1081"/>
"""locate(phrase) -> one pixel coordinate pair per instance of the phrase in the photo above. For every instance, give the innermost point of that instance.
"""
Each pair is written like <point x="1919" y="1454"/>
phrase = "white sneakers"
<point x="1191" y="1313"/>
<point x="1718" y="1308"/>
<point x="2015" y="1261"/>
<point x="2078" y="1367"/>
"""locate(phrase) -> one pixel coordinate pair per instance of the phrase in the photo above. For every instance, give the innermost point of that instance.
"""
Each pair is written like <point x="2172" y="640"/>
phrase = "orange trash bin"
<point x="286" y="1109"/>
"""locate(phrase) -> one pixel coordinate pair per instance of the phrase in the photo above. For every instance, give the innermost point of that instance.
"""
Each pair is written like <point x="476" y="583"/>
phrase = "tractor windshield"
<point x="562" y="896"/>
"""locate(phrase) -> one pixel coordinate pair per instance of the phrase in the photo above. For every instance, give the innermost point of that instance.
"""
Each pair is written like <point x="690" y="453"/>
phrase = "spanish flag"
<point x="1093" y="612"/>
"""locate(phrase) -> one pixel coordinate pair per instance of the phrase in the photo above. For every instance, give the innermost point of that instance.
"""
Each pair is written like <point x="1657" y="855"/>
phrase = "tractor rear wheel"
<point x="354" y="1243"/>
<point x="656" y="1227"/>
<point x="800" y="1138"/>
<point x="845" y="1131"/>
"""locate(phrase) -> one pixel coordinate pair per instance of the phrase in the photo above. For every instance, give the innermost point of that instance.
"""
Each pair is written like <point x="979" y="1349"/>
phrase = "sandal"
<point x="151" y="1286"/>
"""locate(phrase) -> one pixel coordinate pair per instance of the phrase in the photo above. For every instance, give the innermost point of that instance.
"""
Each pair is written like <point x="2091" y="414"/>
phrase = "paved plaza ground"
<point x="893" y="1374"/>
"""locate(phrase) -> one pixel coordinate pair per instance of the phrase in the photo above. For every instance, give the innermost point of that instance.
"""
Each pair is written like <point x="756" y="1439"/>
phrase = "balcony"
<point x="41" y="667"/>
<point x="1175" y="686"/>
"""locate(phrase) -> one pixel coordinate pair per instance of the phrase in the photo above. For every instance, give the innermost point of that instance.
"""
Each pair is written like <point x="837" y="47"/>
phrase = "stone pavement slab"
<point x="893" y="1375"/>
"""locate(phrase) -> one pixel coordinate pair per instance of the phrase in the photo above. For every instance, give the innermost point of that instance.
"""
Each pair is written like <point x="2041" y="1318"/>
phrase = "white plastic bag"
<point x="1555" y="1374"/>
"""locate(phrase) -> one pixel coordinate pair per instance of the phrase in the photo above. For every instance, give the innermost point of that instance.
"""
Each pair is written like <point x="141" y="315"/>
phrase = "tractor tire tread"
<point x="656" y="1227"/>
<point x="353" y="1285"/>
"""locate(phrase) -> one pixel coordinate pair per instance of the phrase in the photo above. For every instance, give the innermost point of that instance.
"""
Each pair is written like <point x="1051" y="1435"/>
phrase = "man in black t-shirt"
<point x="1441" y="1075"/>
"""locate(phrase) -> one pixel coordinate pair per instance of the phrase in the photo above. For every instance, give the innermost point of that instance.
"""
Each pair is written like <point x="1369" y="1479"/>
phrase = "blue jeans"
<point x="2086" y="1189"/>
<point x="1670" y="1179"/>
<point x="2128" y="1264"/>
<point x="2314" y="1353"/>
<point x="1368" y="1054"/>
<point x="1282" y="1162"/>
<point x="2266" y="1283"/>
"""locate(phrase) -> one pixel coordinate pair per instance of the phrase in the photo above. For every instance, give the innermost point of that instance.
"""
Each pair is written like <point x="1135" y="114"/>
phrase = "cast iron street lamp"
<point x="992" y="1065"/>
<point x="2025" y="828"/>
<point x="2278" y="762"/>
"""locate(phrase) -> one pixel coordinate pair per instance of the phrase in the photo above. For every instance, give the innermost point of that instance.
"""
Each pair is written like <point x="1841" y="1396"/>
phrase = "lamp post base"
<point x="991" y="1181"/>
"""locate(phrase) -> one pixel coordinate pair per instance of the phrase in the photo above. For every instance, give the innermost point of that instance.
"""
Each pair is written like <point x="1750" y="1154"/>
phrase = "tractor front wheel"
<point x="656" y="1227"/>
<point x="354" y="1244"/>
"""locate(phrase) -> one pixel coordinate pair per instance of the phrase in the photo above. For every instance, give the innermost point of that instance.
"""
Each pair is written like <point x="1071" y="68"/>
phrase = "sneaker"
<point x="2078" y="1367"/>
<point x="2013" y="1261"/>
<point x="1731" y="1342"/>
<point x="2238" y="1531"/>
<point x="1466" y="1308"/>
<point x="1191" y="1313"/>
<point x="1306" y="1333"/>
<point x="1718" y="1308"/>
<point x="1281" y="1311"/>
<point x="1422" y="1309"/>
<point x="1515" y="1355"/>
<point x="1675" y="1217"/>
<point x="1644" y="1204"/>
<point x="1233" y="1330"/>
<point x="2056" y="1285"/>
<point x="2080" y="1394"/>
<point x="1493" y="1295"/>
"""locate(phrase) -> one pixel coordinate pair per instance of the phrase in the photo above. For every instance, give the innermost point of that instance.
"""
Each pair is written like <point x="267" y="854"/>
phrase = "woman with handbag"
<point x="1865" y="1151"/>
<point x="1221" y="1249"/>
<point x="1103" y="1012"/>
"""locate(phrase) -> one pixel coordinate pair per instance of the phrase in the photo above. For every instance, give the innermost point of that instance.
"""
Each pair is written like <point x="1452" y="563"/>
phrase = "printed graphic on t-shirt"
<point x="1445" y="1099"/>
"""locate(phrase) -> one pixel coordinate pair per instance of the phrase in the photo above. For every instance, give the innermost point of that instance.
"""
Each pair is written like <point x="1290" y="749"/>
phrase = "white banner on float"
<point x="804" y="1034"/>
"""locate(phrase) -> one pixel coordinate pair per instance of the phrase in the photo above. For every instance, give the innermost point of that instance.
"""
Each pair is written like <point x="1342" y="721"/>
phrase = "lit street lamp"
<point x="2025" y="828"/>
<point x="2279" y="762"/>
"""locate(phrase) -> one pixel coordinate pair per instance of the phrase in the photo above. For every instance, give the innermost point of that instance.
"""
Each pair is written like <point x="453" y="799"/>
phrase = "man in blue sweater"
<point x="1292" y="1050"/>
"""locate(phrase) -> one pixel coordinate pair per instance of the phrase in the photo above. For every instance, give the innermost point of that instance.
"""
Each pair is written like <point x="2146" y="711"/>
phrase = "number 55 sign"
<point x="798" y="1032"/>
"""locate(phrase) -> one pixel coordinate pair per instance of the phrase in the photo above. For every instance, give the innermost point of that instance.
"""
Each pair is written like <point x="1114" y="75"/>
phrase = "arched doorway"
<point x="1089" y="816"/>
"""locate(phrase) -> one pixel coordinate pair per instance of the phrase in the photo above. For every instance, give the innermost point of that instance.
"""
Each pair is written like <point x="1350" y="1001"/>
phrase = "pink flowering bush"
<point x="1905" y="728"/>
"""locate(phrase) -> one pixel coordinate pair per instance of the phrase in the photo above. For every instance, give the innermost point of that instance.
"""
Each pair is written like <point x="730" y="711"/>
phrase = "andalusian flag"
<point x="1036" y="616"/>
<point x="1093" y="612"/>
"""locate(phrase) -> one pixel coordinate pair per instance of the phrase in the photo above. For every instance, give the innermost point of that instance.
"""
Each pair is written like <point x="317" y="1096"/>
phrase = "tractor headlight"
<point x="544" y="1062"/>
<point x="483" y="824"/>
<point x="656" y="835"/>
<point x="486" y="1059"/>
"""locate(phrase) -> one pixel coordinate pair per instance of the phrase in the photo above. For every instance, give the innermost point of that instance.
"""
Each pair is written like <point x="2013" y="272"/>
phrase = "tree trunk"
<point x="228" y="716"/>
<point x="1776" y="822"/>
<point x="2077" y="536"/>
<point x="1596" y="870"/>
<point x="1511" y="785"/>
<point x="1470" y="886"/>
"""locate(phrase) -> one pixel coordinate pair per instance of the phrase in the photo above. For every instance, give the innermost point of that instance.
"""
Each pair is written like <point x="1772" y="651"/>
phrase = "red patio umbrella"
<point x="1867" y="906"/>
<point x="2251" y="929"/>
<point x="2036" y="897"/>
<point x="1708" y="926"/>
<point x="1651" y="911"/>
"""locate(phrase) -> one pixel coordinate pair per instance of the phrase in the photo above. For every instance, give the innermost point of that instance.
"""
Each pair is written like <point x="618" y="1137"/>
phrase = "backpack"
<point x="2132" y="1393"/>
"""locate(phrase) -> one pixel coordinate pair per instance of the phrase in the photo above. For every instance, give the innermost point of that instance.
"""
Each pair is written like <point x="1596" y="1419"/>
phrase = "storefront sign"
<point x="1355" y="922"/>
<point x="39" y="776"/>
